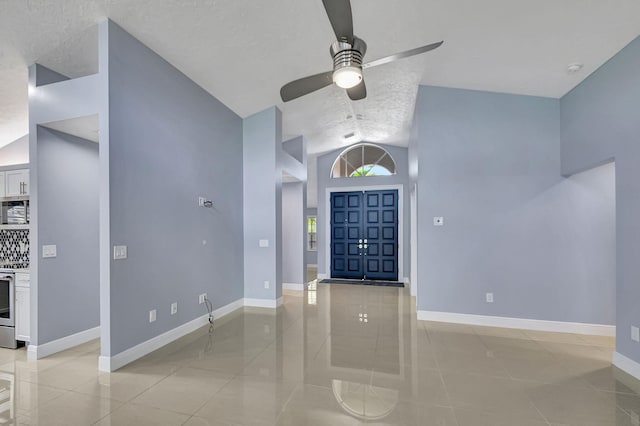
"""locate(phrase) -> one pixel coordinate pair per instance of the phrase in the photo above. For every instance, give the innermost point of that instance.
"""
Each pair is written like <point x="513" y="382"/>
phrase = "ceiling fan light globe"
<point x="347" y="77"/>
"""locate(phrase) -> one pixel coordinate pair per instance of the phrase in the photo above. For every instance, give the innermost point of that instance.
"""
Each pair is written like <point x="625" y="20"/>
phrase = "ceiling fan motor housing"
<point x="347" y="62"/>
<point x="347" y="54"/>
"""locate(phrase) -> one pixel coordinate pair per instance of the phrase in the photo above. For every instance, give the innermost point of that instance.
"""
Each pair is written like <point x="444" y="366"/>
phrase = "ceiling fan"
<point x="347" y="53"/>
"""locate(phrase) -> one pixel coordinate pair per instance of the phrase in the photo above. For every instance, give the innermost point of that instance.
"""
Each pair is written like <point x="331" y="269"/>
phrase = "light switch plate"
<point x="438" y="221"/>
<point x="152" y="315"/>
<point x="263" y="243"/>
<point x="174" y="308"/>
<point x="49" y="251"/>
<point x="635" y="334"/>
<point x="119" y="252"/>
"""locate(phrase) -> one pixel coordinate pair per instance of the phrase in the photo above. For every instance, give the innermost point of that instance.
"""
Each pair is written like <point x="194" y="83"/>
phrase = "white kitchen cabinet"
<point x="2" y="184"/>
<point x="16" y="182"/>
<point x="23" y="307"/>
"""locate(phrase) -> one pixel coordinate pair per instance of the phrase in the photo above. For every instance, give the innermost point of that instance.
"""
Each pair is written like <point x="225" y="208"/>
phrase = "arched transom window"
<point x="363" y="160"/>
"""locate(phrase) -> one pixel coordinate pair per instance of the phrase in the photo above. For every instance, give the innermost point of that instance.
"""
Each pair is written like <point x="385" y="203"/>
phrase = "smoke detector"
<point x="574" y="68"/>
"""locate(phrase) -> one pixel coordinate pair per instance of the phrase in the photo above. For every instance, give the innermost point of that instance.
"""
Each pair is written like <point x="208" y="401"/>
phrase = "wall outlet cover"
<point x="263" y="243"/>
<point x="119" y="252"/>
<point x="49" y="251"/>
<point x="489" y="297"/>
<point x="438" y="221"/>
<point x="635" y="334"/>
<point x="266" y="284"/>
<point x="174" y="308"/>
<point x="202" y="298"/>
<point x="152" y="315"/>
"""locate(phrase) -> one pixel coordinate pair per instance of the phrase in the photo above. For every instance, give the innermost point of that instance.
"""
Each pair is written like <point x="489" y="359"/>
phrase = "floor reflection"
<point x="332" y="355"/>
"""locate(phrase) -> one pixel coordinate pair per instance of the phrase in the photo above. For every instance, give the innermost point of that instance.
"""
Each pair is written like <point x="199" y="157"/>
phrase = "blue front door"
<point x="346" y="235"/>
<point x="364" y="235"/>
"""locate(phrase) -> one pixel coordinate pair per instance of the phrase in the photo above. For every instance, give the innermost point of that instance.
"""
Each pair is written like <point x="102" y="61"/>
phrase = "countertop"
<point x="17" y="270"/>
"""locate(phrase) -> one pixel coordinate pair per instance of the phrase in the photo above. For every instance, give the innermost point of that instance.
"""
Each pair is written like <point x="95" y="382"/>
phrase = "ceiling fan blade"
<point x="401" y="55"/>
<point x="339" y="13"/>
<point x="357" y="92"/>
<point x="305" y="85"/>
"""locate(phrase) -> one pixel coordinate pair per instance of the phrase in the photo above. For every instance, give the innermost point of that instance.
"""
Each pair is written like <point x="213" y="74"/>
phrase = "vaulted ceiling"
<point x="243" y="51"/>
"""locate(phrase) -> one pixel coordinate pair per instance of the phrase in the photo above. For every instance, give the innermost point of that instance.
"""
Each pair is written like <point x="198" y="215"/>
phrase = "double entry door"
<point x="364" y="235"/>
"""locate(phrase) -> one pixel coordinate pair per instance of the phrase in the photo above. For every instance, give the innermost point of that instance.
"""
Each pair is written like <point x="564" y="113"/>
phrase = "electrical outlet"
<point x="201" y="201"/>
<point x="489" y="297"/>
<point x="635" y="334"/>
<point x="438" y="221"/>
<point x="174" y="308"/>
<point x="266" y="284"/>
<point x="152" y="315"/>
<point x="202" y="298"/>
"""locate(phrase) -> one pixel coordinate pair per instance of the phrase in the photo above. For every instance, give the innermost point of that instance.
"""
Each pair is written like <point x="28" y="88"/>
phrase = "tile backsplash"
<point x="14" y="246"/>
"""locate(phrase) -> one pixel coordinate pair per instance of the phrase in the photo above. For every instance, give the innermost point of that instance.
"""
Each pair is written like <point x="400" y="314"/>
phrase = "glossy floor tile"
<point x="332" y="355"/>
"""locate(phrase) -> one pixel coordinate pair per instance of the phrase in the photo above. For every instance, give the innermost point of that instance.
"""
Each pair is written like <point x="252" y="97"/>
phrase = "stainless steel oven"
<point x="7" y="310"/>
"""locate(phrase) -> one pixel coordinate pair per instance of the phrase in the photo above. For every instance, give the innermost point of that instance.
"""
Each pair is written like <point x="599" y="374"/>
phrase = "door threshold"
<point x="381" y="283"/>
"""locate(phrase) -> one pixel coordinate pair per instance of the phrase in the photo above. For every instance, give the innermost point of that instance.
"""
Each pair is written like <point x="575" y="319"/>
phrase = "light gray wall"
<point x="17" y="152"/>
<point x="296" y="147"/>
<point x="324" y="166"/>
<point x="262" y="143"/>
<point x="293" y="236"/>
<point x="46" y="76"/>
<point x="169" y="142"/>
<point x="53" y="102"/>
<point x="544" y="245"/>
<point x="600" y="121"/>
<point x="69" y="284"/>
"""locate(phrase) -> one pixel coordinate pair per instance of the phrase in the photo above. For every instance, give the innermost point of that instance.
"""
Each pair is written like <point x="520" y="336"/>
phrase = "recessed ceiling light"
<point x="574" y="68"/>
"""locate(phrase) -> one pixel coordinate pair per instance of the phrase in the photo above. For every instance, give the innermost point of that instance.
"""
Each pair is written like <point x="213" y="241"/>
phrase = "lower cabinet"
<point x="23" y="308"/>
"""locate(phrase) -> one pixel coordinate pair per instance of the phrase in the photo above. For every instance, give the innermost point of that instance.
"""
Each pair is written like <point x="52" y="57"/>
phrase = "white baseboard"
<point x="627" y="365"/>
<point x="263" y="303"/>
<point x="519" y="323"/>
<point x="292" y="286"/>
<point x="322" y="276"/>
<point x="64" y="343"/>
<point x="123" y="358"/>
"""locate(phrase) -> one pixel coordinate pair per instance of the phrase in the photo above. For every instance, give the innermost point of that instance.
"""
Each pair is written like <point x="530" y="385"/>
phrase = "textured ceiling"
<point x="243" y="51"/>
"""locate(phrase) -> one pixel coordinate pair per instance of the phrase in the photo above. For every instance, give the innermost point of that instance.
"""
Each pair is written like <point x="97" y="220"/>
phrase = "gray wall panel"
<point x="69" y="284"/>
<point x="600" y="121"/>
<point x="544" y="245"/>
<point x="170" y="142"/>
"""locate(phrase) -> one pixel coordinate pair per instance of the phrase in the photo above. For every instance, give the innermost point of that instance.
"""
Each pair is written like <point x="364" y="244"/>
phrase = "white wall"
<point x="17" y="152"/>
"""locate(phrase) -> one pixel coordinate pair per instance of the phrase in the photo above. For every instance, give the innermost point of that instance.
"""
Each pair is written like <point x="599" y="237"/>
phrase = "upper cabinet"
<point x="2" y="184"/>
<point x="16" y="182"/>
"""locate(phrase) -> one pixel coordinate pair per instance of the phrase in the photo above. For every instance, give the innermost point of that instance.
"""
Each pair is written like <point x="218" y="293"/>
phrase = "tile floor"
<point x="337" y="355"/>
